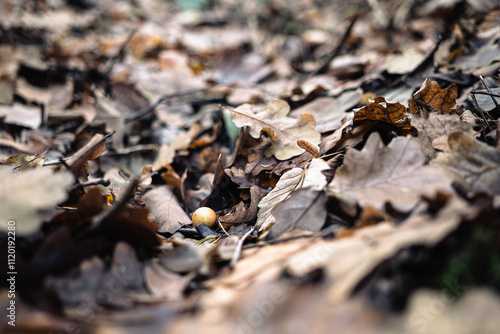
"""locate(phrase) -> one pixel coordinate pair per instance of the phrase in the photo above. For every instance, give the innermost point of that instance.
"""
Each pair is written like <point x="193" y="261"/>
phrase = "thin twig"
<point x="480" y="110"/>
<point x="103" y="182"/>
<point x="143" y="112"/>
<point x="121" y="52"/>
<point x="484" y="93"/>
<point x="489" y="91"/>
<point x="239" y="246"/>
<point x="324" y="66"/>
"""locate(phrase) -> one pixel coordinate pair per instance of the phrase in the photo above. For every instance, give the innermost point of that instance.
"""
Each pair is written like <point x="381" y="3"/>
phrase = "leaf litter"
<point x="351" y="159"/>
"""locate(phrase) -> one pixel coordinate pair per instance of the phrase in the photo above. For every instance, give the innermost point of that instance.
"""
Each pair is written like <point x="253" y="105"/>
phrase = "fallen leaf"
<point x="327" y="111"/>
<point x="163" y="203"/>
<point x="284" y="131"/>
<point x="21" y="115"/>
<point x="388" y="112"/>
<point x="405" y="62"/>
<point x="476" y="162"/>
<point x="305" y="209"/>
<point x="23" y="194"/>
<point x="395" y="173"/>
<point x="432" y="98"/>
<point x="164" y="283"/>
<point x="293" y="180"/>
<point x="23" y="161"/>
<point x="241" y="213"/>
<point x="166" y="153"/>
<point x="90" y="151"/>
<point x="436" y="128"/>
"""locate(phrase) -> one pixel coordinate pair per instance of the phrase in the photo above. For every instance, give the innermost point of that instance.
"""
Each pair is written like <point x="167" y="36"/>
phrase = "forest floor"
<point x="348" y="152"/>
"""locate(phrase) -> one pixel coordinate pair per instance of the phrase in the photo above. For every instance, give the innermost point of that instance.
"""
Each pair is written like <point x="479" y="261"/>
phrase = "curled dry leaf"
<point x="388" y="112"/>
<point x="394" y="173"/>
<point x="284" y="131"/>
<point x="23" y="161"/>
<point x="476" y="162"/>
<point x="293" y="180"/>
<point x="432" y="98"/>
<point x="241" y="213"/>
<point x="90" y="151"/>
<point x="436" y="129"/>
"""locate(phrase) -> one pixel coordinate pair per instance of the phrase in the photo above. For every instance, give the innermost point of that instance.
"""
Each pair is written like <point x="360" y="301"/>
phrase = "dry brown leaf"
<point x="388" y="112"/>
<point x="476" y="162"/>
<point x="435" y="129"/>
<point x="23" y="194"/>
<point x="241" y="213"/>
<point x="346" y="136"/>
<point x="23" y="161"/>
<point x="90" y="151"/>
<point x="166" y="208"/>
<point x="432" y="98"/>
<point x="394" y="173"/>
<point x="293" y="180"/>
<point x="284" y="131"/>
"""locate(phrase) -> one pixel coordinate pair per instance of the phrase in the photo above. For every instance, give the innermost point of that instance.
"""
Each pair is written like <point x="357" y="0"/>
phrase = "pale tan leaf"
<point x="166" y="153"/>
<point x="305" y="209"/>
<point x="395" y="173"/>
<point x="23" y="161"/>
<point x="476" y="162"/>
<point x="284" y="131"/>
<point x="437" y="127"/>
<point x="166" y="208"/>
<point x="23" y="194"/>
<point x="293" y="180"/>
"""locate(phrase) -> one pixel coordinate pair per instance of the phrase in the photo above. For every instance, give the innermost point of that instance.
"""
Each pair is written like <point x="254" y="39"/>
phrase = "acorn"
<point x="204" y="215"/>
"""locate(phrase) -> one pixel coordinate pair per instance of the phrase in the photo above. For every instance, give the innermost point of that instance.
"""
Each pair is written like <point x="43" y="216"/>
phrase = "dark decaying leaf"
<point x="476" y="162"/>
<point x="395" y="173"/>
<point x="387" y="112"/>
<point x="432" y="98"/>
<point x="241" y="212"/>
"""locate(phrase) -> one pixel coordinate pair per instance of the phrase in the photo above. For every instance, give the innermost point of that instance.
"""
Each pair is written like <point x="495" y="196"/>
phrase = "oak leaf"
<point x="436" y="129"/>
<point x="432" y="98"/>
<point x="387" y="112"/>
<point x="292" y="181"/>
<point x="476" y="162"/>
<point x="394" y="173"/>
<point x="284" y="131"/>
